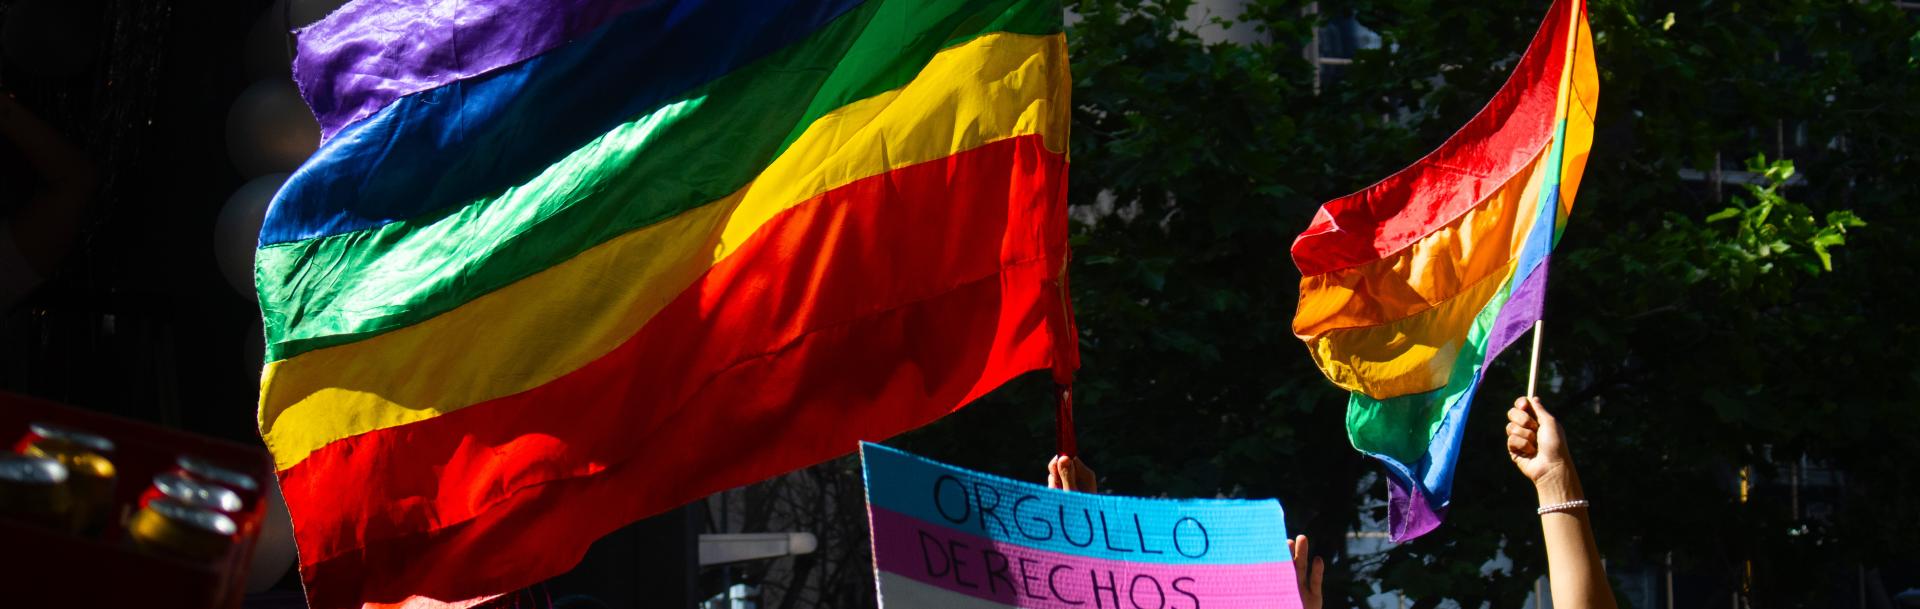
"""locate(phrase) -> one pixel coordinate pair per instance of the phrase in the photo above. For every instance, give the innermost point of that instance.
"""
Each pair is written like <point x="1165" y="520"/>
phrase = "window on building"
<point x="1335" y="43"/>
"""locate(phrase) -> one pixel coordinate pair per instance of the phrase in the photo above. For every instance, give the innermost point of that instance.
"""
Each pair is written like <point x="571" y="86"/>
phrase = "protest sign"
<point x="950" y="538"/>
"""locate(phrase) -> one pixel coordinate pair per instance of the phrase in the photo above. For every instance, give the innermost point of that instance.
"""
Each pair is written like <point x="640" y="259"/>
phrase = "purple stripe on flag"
<point x="1018" y="575"/>
<point x="1522" y="309"/>
<point x="371" y="52"/>
<point x="1408" y="513"/>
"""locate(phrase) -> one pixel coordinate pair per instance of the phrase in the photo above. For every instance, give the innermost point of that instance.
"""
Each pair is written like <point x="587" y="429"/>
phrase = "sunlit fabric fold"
<point x="529" y="303"/>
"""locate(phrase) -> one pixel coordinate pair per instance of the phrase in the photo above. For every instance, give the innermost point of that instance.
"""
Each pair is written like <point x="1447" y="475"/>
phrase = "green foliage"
<point x="1754" y="244"/>
<point x="1913" y="59"/>
<point x="1689" y="333"/>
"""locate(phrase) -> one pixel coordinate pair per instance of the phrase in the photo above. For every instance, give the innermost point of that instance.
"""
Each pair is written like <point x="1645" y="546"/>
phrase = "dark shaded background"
<point x="139" y="322"/>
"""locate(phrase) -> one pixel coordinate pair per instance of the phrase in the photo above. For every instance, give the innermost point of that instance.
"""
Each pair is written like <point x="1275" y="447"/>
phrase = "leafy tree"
<point x="1691" y="335"/>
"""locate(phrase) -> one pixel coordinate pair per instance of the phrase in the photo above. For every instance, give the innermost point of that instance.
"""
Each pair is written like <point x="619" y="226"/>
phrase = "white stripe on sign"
<point x="899" y="592"/>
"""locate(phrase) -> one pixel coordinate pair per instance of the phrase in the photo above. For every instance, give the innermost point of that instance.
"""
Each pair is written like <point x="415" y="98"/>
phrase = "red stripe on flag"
<point x="1494" y="146"/>
<point x="873" y="309"/>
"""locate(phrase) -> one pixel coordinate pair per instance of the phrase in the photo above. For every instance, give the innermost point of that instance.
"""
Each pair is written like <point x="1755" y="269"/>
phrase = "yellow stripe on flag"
<point x="569" y="315"/>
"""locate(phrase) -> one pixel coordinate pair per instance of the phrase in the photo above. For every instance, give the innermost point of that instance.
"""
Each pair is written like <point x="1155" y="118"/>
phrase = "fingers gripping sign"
<point x="1070" y="474"/>
<point x="1309" y="572"/>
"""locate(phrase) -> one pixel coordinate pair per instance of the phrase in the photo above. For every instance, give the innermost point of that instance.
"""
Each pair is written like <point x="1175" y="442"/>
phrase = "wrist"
<point x="1560" y="485"/>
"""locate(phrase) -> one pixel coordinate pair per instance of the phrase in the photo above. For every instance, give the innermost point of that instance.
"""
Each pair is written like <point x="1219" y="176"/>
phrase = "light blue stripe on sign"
<point x="1170" y="531"/>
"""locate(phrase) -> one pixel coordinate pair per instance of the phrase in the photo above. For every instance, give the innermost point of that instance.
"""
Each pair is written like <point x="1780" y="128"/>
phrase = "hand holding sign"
<point x="1310" y="597"/>
<point x="1070" y="474"/>
<point x="952" y="538"/>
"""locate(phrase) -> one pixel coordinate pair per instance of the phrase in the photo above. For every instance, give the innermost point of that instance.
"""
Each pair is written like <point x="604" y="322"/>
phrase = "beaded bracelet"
<point x="1561" y="507"/>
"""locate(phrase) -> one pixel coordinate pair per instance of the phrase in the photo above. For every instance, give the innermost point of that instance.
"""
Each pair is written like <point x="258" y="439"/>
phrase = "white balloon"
<point x="269" y="128"/>
<point x="236" y="233"/>
<point x="268" y="52"/>
<point x="305" y="12"/>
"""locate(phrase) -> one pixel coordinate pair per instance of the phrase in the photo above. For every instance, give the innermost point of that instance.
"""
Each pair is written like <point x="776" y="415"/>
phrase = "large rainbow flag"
<point x="1412" y="286"/>
<point x="562" y="264"/>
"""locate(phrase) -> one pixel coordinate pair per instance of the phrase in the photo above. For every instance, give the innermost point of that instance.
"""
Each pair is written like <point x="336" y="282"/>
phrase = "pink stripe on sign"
<point x="1020" y="576"/>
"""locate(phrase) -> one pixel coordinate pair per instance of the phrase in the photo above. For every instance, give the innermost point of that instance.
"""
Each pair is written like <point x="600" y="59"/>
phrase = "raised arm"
<point x="1539" y="449"/>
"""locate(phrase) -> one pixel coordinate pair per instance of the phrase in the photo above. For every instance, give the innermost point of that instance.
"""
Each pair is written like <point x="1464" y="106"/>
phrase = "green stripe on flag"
<point x="342" y="288"/>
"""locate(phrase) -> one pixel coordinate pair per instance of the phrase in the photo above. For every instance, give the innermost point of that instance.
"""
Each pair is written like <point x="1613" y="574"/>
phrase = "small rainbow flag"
<point x="1412" y="286"/>
<point x="563" y="264"/>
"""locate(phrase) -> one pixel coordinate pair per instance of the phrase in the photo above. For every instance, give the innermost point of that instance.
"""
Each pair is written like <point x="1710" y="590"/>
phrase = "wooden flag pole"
<point x="1533" y="370"/>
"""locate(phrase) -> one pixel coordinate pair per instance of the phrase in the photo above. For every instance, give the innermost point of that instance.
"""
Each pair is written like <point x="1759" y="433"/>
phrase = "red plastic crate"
<point x="41" y="567"/>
